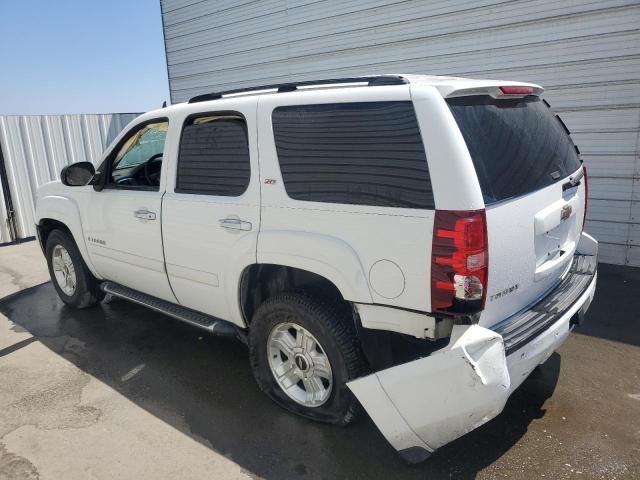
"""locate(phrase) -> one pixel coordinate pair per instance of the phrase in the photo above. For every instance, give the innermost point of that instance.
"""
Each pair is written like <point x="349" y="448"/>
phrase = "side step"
<point x="197" y="319"/>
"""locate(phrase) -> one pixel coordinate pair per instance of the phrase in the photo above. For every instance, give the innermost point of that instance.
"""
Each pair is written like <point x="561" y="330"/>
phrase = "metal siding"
<point x="585" y="53"/>
<point x="37" y="147"/>
<point x="4" y="227"/>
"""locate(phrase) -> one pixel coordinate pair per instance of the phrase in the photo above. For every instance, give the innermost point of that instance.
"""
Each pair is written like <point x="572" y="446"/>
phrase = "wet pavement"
<point x="578" y="416"/>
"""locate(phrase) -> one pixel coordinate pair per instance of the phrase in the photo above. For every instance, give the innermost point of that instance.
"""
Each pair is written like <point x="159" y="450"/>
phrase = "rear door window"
<point x="365" y="153"/>
<point x="517" y="146"/>
<point x="214" y="155"/>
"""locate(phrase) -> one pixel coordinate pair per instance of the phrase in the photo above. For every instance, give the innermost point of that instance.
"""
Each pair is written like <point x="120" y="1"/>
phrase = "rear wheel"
<point x="71" y="278"/>
<point x="299" y="364"/>
<point x="303" y="354"/>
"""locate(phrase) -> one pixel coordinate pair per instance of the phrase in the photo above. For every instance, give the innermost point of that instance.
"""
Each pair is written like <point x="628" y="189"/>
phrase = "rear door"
<point x="211" y="213"/>
<point x="532" y="182"/>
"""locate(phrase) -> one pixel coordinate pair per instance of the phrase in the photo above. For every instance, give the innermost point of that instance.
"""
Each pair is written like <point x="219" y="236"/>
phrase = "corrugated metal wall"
<point x="36" y="147"/>
<point x="5" y="235"/>
<point x="586" y="54"/>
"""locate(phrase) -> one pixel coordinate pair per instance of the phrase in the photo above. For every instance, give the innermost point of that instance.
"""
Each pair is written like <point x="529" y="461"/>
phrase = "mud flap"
<point x="424" y="404"/>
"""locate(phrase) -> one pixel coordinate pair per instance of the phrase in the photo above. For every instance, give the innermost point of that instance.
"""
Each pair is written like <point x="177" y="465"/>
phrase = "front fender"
<point x="329" y="257"/>
<point x="66" y="211"/>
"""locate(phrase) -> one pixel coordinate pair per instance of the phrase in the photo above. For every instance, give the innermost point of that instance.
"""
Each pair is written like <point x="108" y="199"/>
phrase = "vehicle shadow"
<point x="203" y="386"/>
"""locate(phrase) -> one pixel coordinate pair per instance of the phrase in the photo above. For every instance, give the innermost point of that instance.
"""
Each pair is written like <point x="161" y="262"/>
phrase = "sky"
<point x="82" y="56"/>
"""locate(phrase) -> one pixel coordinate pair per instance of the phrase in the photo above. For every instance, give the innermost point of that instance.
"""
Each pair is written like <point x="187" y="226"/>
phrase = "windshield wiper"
<point x="574" y="180"/>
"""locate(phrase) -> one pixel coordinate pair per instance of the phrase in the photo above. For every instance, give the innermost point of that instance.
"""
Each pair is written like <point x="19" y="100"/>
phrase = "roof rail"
<point x="371" y="81"/>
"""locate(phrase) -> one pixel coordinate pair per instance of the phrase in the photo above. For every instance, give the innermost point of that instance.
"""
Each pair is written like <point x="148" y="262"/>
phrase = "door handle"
<point x="144" y="214"/>
<point x="232" y="223"/>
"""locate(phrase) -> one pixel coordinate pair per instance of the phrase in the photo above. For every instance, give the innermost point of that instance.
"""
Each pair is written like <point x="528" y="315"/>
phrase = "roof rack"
<point x="371" y="81"/>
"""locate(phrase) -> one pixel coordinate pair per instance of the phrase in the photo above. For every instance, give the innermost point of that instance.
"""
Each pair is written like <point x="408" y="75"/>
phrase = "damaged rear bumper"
<point x="424" y="404"/>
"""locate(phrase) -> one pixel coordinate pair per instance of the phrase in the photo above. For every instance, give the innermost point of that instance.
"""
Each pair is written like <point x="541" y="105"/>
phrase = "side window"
<point x="214" y="155"/>
<point x="367" y="153"/>
<point x="138" y="161"/>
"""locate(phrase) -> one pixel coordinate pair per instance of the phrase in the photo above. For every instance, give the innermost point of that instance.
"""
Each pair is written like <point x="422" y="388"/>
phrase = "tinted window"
<point x="139" y="159"/>
<point x="354" y="153"/>
<point x="214" y="156"/>
<point x="517" y="146"/>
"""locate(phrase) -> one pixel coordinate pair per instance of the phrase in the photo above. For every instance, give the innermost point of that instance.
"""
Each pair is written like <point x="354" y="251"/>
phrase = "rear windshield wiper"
<point x="574" y="180"/>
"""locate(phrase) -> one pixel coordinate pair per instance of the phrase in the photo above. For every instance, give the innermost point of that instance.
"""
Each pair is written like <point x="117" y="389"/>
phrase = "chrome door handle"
<point x="144" y="214"/>
<point x="232" y="223"/>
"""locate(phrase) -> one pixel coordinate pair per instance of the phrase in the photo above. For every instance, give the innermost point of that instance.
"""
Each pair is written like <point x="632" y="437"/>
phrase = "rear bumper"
<point x="424" y="404"/>
<point x="525" y="326"/>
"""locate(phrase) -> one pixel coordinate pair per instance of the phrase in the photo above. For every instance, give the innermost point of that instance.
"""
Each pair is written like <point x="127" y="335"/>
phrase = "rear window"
<point x="517" y="145"/>
<point x="366" y="153"/>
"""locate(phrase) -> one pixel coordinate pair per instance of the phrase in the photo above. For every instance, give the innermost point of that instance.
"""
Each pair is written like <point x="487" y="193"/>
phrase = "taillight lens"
<point x="586" y="196"/>
<point x="459" y="261"/>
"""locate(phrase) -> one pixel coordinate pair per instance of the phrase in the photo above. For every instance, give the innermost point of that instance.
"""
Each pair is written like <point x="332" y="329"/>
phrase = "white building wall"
<point x="585" y="53"/>
<point x="36" y="147"/>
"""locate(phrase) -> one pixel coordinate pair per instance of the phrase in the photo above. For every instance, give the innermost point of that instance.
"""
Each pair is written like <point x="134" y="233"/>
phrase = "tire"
<point x="84" y="291"/>
<point x="335" y="339"/>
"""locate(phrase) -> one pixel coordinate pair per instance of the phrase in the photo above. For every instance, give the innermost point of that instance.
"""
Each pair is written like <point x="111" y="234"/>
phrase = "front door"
<point x="122" y="221"/>
<point x="211" y="216"/>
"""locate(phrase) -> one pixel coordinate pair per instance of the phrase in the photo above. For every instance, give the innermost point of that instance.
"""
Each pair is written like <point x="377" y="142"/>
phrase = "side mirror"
<point x="77" y="174"/>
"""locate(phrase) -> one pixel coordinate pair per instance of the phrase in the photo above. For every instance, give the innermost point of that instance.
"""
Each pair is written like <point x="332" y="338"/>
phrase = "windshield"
<point x="517" y="145"/>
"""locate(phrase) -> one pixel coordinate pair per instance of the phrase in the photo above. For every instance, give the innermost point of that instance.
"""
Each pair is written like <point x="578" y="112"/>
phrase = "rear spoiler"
<point x="499" y="91"/>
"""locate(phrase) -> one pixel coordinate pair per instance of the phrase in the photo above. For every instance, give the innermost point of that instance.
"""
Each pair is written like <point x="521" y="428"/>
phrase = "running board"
<point x="197" y="319"/>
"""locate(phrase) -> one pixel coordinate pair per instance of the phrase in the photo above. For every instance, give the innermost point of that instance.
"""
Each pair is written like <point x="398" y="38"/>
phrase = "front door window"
<point x="138" y="161"/>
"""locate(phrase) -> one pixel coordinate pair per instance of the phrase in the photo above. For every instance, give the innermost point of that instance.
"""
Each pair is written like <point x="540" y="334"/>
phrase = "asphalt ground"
<point x="119" y="391"/>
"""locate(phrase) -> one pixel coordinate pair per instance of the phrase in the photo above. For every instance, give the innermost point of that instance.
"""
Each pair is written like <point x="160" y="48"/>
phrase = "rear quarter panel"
<point x="348" y="244"/>
<point x="453" y="176"/>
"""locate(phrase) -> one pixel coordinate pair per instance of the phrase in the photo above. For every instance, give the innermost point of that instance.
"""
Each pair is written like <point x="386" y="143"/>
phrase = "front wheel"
<point x="71" y="278"/>
<point x="303" y="354"/>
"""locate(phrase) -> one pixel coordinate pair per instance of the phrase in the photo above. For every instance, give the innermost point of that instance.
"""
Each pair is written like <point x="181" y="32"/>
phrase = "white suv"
<point x="409" y="243"/>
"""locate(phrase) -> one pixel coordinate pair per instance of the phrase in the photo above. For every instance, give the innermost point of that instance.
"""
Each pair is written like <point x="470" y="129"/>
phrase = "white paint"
<point x="205" y="260"/>
<point x="445" y="395"/>
<point x="419" y="325"/>
<point x="386" y="279"/>
<point x="453" y="176"/>
<point x="341" y="242"/>
<point x="518" y="255"/>
<point x="550" y="217"/>
<point x="132" y="254"/>
<point x="587" y="245"/>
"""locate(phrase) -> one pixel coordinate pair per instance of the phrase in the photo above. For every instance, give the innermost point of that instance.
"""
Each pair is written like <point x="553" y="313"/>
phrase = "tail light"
<point x="517" y="90"/>
<point x="586" y="196"/>
<point x="459" y="261"/>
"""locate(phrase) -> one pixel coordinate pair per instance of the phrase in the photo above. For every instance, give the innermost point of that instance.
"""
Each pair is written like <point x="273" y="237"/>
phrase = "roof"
<point x="447" y="86"/>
